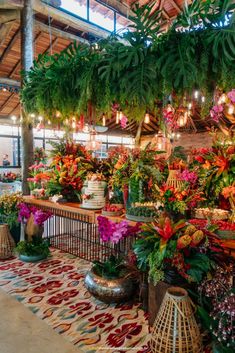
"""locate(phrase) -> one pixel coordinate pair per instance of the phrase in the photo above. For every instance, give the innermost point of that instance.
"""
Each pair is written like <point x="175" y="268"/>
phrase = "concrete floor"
<point x="23" y="332"/>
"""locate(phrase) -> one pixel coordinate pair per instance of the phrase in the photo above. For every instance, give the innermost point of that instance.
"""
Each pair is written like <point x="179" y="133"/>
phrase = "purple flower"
<point x="41" y="216"/>
<point x="114" y="232"/>
<point x="24" y="212"/>
<point x="217" y="112"/>
<point x="231" y="95"/>
<point x="190" y="177"/>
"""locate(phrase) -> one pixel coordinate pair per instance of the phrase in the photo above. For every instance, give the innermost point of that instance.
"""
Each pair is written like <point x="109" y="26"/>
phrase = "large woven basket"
<point x="175" y="329"/>
<point x="7" y="243"/>
<point x="174" y="179"/>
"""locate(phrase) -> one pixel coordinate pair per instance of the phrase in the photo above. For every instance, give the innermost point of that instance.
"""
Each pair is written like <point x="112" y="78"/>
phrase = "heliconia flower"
<point x="197" y="237"/>
<point x="183" y="241"/>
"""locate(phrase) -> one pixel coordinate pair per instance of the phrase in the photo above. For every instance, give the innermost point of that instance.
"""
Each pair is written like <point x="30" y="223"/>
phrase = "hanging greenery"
<point x="197" y="51"/>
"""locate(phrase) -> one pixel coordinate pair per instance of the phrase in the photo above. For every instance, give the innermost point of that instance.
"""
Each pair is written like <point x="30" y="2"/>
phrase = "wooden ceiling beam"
<point x="10" y="45"/>
<point x="50" y="46"/>
<point x="9" y="15"/>
<point x="12" y="111"/>
<point x="6" y="101"/>
<point x="68" y="19"/>
<point x="17" y="65"/>
<point x="9" y="82"/>
<point x="4" y="31"/>
<point x="11" y="4"/>
<point x="175" y="5"/>
<point x="59" y="32"/>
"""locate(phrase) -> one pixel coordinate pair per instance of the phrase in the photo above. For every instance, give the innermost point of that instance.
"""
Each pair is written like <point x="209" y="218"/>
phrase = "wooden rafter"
<point x="6" y="101"/>
<point x="10" y="44"/>
<point x="175" y="5"/>
<point x="17" y="65"/>
<point x="4" y="31"/>
<point x="12" y="111"/>
<point x="50" y="46"/>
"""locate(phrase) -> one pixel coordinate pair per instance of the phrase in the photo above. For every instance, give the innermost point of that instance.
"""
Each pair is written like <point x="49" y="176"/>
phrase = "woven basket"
<point x="174" y="179"/>
<point x="7" y="243"/>
<point x="175" y="329"/>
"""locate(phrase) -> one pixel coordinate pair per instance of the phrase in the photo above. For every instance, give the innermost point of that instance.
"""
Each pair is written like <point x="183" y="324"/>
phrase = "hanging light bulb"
<point x="4" y="89"/>
<point x="32" y="115"/>
<point x="190" y="106"/>
<point x="222" y="99"/>
<point x="231" y="109"/>
<point x="86" y="129"/>
<point x="103" y="120"/>
<point x="58" y="114"/>
<point x="196" y="94"/>
<point x="177" y="136"/>
<point x="147" y="118"/>
<point x="40" y="118"/>
<point x="74" y="124"/>
<point x="118" y="113"/>
<point x="49" y="122"/>
<point x="13" y="118"/>
<point x="203" y="99"/>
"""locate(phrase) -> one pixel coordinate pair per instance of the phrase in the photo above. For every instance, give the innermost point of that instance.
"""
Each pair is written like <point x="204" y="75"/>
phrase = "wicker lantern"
<point x="7" y="243"/>
<point x="175" y="329"/>
<point x="163" y="144"/>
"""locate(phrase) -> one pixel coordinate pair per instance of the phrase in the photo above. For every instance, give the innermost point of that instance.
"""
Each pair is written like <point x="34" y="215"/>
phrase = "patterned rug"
<point x="54" y="291"/>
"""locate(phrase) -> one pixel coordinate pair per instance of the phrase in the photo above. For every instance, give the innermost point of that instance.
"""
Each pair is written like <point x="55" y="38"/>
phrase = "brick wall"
<point x="188" y="141"/>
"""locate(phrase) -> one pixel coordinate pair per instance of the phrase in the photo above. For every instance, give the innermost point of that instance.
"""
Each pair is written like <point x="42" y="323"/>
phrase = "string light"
<point x="40" y="118"/>
<point x="103" y="120"/>
<point x="32" y="115"/>
<point x="74" y="124"/>
<point x="203" y="99"/>
<point x="13" y="118"/>
<point x="147" y="118"/>
<point x="117" y="117"/>
<point x="49" y="122"/>
<point x="57" y="114"/>
<point x="190" y="106"/>
<point x="196" y="94"/>
<point x="4" y="89"/>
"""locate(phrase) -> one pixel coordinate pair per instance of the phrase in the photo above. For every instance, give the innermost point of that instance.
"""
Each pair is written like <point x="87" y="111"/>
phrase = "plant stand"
<point x="7" y="243"/>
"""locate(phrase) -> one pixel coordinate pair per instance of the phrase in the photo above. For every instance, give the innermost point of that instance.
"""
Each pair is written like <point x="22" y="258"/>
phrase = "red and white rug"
<point x="54" y="291"/>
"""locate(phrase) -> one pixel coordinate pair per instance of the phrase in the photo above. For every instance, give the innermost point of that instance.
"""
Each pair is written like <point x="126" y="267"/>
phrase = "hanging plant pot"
<point x="109" y="290"/>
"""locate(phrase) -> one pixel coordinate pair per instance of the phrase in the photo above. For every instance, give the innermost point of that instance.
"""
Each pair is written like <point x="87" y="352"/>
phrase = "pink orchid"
<point x="231" y="95"/>
<point x="123" y="122"/>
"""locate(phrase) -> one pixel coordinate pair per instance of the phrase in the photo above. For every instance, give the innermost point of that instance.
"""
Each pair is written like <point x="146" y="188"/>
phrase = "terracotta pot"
<point x="109" y="290"/>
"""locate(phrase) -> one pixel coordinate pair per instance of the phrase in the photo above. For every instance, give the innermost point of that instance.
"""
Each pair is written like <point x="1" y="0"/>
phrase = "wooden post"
<point x="138" y="134"/>
<point x="27" y="61"/>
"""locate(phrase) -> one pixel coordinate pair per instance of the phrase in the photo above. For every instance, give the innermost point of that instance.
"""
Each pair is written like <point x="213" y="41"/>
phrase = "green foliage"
<point x="110" y="269"/>
<point x="37" y="246"/>
<point x="197" y="50"/>
<point x="142" y="211"/>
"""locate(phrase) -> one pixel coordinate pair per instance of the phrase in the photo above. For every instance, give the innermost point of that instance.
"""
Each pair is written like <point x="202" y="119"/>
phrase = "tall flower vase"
<point x="125" y="191"/>
<point x="175" y="329"/>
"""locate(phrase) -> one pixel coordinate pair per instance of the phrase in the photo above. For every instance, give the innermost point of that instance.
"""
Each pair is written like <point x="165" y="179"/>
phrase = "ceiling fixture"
<point x="103" y="120"/>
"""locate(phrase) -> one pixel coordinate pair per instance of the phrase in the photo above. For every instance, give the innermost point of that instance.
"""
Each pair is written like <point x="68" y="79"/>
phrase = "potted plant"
<point x="111" y="281"/>
<point x="9" y="213"/>
<point x="175" y="251"/>
<point x="141" y="213"/>
<point x="34" y="248"/>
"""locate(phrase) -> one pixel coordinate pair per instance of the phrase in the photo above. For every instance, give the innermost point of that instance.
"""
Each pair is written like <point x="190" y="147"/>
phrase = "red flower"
<point x="200" y="159"/>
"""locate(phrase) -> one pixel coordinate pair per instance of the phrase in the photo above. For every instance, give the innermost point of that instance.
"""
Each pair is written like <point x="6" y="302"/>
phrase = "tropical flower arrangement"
<point x="137" y="171"/>
<point x="225" y="107"/>
<point x="9" y="177"/>
<point x="39" y="155"/>
<point x="25" y="211"/>
<point x="216" y="308"/>
<point x="9" y="208"/>
<point x="68" y="170"/>
<point x="115" y="231"/>
<point x="164" y="246"/>
<point x="38" y="176"/>
<point x="178" y="201"/>
<point x="216" y="170"/>
<point x="33" y="219"/>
